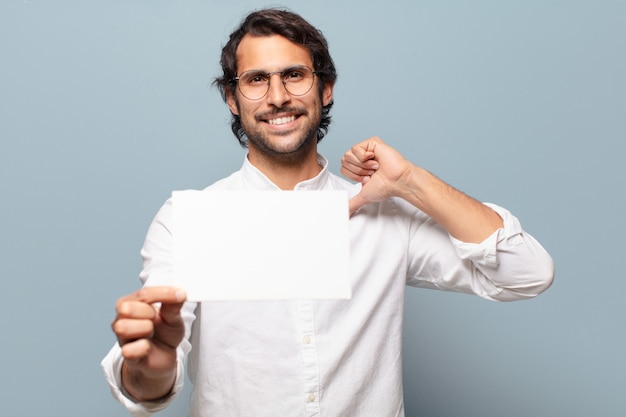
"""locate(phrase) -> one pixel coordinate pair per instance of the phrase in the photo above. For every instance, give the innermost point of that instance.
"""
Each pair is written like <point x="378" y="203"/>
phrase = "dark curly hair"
<point x="292" y="26"/>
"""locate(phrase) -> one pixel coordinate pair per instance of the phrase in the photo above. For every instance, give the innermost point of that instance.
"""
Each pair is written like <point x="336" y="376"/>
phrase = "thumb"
<point x="356" y="203"/>
<point x="171" y="328"/>
<point x="170" y="313"/>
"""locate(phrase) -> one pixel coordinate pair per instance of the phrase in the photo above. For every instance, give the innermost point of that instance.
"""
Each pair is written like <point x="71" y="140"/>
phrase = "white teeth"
<point x="282" y="120"/>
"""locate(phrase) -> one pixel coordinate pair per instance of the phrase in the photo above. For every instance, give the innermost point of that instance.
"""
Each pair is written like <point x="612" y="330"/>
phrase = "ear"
<point x="232" y="102"/>
<point x="327" y="93"/>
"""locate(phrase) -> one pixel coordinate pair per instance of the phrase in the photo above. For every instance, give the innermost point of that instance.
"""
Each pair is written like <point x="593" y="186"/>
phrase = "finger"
<point x="366" y="150"/>
<point x="134" y="309"/>
<point x="128" y="329"/>
<point x="358" y="155"/>
<point x="170" y="313"/>
<point x="151" y="295"/>
<point x="358" y="171"/>
<point x="353" y="176"/>
<point x="136" y="350"/>
<point x="360" y="168"/>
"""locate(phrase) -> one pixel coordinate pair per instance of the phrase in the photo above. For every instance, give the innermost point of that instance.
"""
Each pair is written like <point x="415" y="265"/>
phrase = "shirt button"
<point x="307" y="340"/>
<point x="311" y="398"/>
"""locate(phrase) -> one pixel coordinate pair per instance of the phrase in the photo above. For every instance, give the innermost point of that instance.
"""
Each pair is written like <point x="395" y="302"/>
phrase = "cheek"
<point x="245" y="112"/>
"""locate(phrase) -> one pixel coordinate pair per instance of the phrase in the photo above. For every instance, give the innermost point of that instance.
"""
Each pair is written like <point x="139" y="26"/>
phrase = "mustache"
<point x="282" y="110"/>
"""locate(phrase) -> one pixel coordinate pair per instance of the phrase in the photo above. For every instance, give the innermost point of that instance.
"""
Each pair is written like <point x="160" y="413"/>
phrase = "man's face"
<point x="279" y="124"/>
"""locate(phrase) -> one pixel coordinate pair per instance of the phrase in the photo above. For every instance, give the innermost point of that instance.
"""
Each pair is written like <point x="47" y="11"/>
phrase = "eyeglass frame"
<point x="269" y="79"/>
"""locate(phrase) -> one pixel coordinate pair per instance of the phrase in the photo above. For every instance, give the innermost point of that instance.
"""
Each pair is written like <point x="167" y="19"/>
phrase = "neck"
<point x="285" y="171"/>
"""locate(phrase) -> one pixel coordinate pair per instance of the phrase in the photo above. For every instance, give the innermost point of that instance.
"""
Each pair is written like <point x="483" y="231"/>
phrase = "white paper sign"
<point x="261" y="245"/>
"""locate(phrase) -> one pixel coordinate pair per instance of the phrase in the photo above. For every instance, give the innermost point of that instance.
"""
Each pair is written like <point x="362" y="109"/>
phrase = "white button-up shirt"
<point x="307" y="358"/>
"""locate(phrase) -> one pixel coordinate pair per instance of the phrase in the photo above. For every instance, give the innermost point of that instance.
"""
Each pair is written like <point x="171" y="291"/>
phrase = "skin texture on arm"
<point x="384" y="173"/>
<point x="149" y="336"/>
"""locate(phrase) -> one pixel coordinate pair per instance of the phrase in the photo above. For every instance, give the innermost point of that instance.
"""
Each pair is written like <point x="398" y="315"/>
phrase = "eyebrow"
<point x="262" y="71"/>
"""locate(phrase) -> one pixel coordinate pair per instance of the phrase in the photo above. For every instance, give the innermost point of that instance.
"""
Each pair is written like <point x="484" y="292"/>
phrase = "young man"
<point x="312" y="358"/>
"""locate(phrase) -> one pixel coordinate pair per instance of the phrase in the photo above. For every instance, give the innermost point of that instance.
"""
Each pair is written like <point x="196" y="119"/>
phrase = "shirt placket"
<point x="310" y="365"/>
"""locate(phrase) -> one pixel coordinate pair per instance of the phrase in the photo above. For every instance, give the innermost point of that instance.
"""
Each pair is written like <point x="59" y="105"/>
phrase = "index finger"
<point x="366" y="150"/>
<point x="359" y="154"/>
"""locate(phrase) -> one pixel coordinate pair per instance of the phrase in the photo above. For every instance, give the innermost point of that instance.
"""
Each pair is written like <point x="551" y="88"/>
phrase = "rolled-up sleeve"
<point x="508" y="265"/>
<point x="112" y="367"/>
<point x="517" y="265"/>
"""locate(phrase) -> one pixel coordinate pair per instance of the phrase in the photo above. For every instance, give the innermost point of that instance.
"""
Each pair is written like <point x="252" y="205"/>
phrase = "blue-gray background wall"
<point x="106" y="106"/>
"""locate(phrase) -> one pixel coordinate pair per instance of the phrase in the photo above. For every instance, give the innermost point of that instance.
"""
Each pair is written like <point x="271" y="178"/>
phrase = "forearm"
<point x="463" y="217"/>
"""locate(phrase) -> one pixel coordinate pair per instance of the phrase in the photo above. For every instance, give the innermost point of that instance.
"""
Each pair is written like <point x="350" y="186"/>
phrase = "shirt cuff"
<point x="112" y="367"/>
<point x="485" y="252"/>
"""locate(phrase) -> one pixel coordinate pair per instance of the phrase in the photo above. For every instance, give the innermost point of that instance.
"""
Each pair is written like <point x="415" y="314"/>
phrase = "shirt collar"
<point x="260" y="181"/>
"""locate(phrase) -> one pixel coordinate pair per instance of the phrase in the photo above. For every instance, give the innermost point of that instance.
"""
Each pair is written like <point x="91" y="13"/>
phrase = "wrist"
<point x="142" y="385"/>
<point x="411" y="186"/>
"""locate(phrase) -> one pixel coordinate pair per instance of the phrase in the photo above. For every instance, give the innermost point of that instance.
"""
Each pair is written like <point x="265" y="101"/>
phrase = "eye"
<point x="294" y="75"/>
<point x="255" y="79"/>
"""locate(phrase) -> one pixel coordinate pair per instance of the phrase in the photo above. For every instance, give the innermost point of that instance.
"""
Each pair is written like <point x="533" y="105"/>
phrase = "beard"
<point x="294" y="149"/>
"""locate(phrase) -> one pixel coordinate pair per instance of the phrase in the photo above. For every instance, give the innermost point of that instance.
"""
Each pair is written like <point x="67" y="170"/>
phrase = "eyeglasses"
<point x="255" y="84"/>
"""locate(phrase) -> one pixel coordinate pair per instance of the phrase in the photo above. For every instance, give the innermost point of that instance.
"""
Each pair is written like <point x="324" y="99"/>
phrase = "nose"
<point x="277" y="94"/>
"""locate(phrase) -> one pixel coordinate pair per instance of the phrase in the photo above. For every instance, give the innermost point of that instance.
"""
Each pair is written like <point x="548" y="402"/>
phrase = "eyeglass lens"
<point x="297" y="80"/>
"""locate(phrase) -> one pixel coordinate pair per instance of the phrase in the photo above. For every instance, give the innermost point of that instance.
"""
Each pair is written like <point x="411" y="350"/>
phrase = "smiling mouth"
<point x="281" y="120"/>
